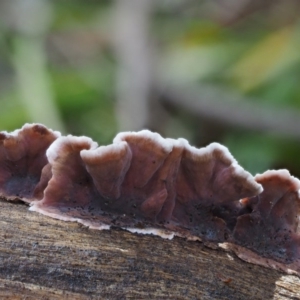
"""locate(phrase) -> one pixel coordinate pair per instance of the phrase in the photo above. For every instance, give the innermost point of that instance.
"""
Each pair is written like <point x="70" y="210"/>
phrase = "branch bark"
<point x="42" y="258"/>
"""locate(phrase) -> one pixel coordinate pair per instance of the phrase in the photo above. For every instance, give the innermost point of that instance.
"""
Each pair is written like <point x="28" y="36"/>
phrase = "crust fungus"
<point x="23" y="161"/>
<point x="145" y="183"/>
<point x="271" y="228"/>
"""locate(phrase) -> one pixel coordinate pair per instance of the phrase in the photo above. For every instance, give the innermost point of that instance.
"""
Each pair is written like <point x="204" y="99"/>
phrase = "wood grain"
<point x="43" y="258"/>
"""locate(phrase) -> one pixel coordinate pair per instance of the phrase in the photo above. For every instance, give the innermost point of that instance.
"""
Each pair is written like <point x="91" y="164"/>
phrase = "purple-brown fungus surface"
<point x="271" y="228"/>
<point x="147" y="184"/>
<point x="23" y="161"/>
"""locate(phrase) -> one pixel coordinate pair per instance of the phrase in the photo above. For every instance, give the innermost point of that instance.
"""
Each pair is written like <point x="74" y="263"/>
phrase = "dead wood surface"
<point x="43" y="258"/>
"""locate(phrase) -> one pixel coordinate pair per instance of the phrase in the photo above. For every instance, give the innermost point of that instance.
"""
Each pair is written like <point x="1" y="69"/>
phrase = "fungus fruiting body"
<point x="147" y="184"/>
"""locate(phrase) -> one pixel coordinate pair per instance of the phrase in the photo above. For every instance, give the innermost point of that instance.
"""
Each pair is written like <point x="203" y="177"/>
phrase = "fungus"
<point x="147" y="184"/>
<point x="143" y="180"/>
<point x="23" y="161"/>
<point x="271" y="229"/>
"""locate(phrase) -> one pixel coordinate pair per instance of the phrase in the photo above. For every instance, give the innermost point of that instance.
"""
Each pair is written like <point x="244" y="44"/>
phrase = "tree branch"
<point x="215" y="104"/>
<point x="43" y="258"/>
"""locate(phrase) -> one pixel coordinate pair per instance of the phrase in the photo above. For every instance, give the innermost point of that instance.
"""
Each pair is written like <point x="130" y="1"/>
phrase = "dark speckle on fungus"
<point x="271" y="228"/>
<point x="147" y="184"/>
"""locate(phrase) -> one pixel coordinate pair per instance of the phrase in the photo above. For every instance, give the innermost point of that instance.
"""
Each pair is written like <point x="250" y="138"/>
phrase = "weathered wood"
<point x="42" y="258"/>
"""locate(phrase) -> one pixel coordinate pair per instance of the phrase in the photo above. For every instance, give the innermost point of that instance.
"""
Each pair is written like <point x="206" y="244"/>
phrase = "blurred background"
<point x="215" y="70"/>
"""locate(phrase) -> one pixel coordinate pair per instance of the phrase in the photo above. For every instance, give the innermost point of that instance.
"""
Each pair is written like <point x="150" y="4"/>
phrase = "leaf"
<point x="265" y="60"/>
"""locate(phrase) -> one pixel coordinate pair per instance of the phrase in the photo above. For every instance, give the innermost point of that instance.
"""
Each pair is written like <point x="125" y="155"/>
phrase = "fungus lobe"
<point x="145" y="183"/>
<point x="23" y="161"/>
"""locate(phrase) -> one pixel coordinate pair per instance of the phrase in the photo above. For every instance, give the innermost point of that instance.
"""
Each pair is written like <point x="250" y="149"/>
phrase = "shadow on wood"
<point x="42" y="258"/>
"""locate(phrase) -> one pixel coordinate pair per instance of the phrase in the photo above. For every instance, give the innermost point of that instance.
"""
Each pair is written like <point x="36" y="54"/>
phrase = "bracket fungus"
<point x="147" y="184"/>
